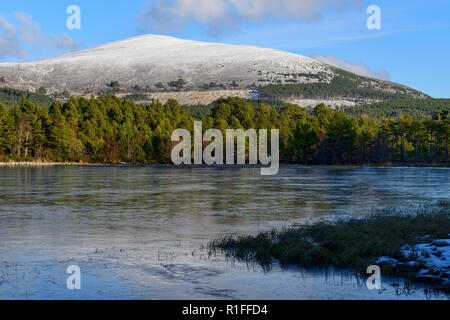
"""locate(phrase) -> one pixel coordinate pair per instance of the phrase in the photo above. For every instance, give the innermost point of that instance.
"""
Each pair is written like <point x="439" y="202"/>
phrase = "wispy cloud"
<point x="16" y="35"/>
<point x="64" y="42"/>
<point x="10" y="45"/>
<point x="165" y="16"/>
<point x="358" y="68"/>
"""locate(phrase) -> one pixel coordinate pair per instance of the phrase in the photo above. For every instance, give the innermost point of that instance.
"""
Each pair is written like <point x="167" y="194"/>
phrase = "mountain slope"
<point x="11" y="97"/>
<point x="153" y="63"/>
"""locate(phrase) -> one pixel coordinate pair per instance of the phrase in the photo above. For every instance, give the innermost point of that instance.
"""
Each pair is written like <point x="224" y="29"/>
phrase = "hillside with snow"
<point x="159" y="65"/>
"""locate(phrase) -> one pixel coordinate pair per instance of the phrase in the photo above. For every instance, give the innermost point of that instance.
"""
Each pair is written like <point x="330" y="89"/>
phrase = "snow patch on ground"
<point x="333" y="103"/>
<point x="151" y="59"/>
<point x="388" y="260"/>
<point x="434" y="256"/>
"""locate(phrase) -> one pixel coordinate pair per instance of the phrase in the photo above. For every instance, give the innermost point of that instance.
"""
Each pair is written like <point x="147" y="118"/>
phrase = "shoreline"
<point x="36" y="164"/>
<point x="162" y="165"/>
<point x="412" y="244"/>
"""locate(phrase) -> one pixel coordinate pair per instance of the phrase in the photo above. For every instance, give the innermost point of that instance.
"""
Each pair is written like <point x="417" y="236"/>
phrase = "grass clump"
<point x="351" y="243"/>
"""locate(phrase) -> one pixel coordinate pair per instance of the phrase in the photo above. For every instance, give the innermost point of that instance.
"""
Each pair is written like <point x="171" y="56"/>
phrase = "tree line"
<point x="9" y="97"/>
<point x="327" y="136"/>
<point x="108" y="129"/>
<point x="344" y="84"/>
<point x="418" y="109"/>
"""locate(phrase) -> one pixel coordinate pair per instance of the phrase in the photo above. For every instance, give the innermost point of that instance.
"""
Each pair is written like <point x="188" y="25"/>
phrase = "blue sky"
<point x="412" y="47"/>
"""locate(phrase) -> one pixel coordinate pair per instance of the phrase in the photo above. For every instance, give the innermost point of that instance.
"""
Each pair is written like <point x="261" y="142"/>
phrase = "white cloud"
<point x="304" y="9"/>
<point x="25" y="31"/>
<point x="358" y="68"/>
<point x="64" y="42"/>
<point x="29" y="30"/>
<point x="163" y="15"/>
<point x="9" y="42"/>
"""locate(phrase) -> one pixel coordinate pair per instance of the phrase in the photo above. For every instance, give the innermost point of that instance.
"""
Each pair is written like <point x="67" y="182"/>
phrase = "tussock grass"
<point x="351" y="243"/>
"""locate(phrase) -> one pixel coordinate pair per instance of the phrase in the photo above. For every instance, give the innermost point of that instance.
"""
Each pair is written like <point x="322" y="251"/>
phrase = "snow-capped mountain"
<point x="155" y="63"/>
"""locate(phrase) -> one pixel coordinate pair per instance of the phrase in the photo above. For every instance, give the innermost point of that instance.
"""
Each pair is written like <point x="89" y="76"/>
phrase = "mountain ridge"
<point x="161" y="64"/>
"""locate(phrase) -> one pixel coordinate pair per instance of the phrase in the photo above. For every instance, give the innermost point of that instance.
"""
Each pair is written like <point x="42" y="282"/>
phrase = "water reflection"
<point x="137" y="231"/>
